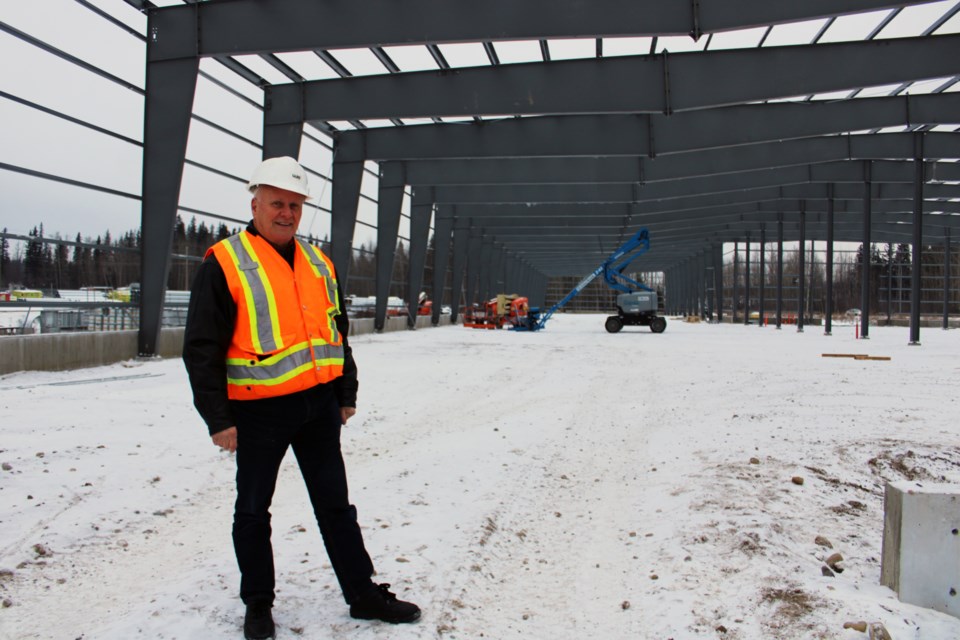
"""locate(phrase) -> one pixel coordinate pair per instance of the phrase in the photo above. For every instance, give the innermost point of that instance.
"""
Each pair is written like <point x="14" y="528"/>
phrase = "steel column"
<point x="696" y="282"/>
<point x="497" y="282"/>
<point x="540" y="289"/>
<point x="473" y="265"/>
<point x="389" y="202"/>
<point x="685" y="287"/>
<point x="283" y="139"/>
<point x="718" y="281"/>
<point x="510" y="275"/>
<point x="779" y="270"/>
<point x="828" y="311"/>
<point x="866" y="254"/>
<point x="916" y="300"/>
<point x="345" y="195"/>
<point x="692" y="286"/>
<point x="703" y="281"/>
<point x="527" y="280"/>
<point x="170" y="87"/>
<point x="442" y="230"/>
<point x="746" y="281"/>
<point x="802" y="268"/>
<point x="486" y="271"/>
<point x="736" y="280"/>
<point x="461" y="251"/>
<point x="421" y="207"/>
<point x="946" y="279"/>
<point x="761" y="319"/>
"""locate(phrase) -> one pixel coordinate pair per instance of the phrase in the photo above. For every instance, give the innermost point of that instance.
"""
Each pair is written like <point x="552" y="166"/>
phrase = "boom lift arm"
<point x="612" y="269"/>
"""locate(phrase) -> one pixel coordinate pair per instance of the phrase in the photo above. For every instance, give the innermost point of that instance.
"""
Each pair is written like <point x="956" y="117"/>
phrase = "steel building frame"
<point x="565" y="158"/>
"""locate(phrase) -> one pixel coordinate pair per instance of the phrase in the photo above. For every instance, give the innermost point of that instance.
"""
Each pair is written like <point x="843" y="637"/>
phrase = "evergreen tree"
<point x="76" y="267"/>
<point x="109" y="275"/>
<point x="401" y="266"/>
<point x="178" y="272"/>
<point x="61" y="267"/>
<point x="4" y="261"/>
<point x="97" y="266"/>
<point x="192" y="233"/>
<point x="203" y="241"/>
<point x="33" y="271"/>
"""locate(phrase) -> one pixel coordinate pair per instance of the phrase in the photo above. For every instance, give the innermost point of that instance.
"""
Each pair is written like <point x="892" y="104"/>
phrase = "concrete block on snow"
<point x="921" y="545"/>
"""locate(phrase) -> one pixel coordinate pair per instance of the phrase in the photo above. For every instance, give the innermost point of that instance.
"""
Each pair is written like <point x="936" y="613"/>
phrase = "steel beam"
<point x="659" y="84"/>
<point x="252" y="26"/>
<point x="644" y="135"/>
<point x="833" y="173"/>
<point x="710" y="162"/>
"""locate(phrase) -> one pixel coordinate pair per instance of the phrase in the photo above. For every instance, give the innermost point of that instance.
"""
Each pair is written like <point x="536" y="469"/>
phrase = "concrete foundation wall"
<point x="77" y="350"/>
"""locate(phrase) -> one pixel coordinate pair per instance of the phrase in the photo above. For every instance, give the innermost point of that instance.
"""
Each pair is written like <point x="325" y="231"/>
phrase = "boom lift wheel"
<point x="613" y="324"/>
<point x="658" y="324"/>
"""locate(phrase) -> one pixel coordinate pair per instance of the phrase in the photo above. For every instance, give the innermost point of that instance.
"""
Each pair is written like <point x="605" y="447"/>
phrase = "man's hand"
<point x="226" y="439"/>
<point x="346" y="413"/>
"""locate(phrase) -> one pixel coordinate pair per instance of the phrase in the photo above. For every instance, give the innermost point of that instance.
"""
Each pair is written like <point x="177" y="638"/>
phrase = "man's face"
<point x="276" y="213"/>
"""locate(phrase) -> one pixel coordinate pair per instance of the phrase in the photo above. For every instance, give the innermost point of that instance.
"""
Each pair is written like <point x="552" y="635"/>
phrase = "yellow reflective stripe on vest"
<point x="321" y="270"/>
<point x="264" y="324"/>
<point x="283" y="366"/>
<point x="316" y="262"/>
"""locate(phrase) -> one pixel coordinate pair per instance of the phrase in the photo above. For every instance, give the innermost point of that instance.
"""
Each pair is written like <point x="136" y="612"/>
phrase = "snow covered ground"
<point x="564" y="484"/>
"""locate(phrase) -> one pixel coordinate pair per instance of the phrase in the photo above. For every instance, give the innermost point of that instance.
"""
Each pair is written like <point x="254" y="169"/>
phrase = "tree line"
<point x="107" y="261"/>
<point x="101" y="261"/>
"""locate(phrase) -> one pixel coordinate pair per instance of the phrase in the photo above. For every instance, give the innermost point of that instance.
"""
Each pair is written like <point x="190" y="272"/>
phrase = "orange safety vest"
<point x="284" y="339"/>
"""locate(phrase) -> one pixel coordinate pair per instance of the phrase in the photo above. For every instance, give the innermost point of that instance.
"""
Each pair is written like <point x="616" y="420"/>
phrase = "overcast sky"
<point x="41" y="142"/>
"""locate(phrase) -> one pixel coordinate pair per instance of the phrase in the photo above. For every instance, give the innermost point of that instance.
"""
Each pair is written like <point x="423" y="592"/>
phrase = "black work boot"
<point x="258" y="623"/>
<point x="379" y="604"/>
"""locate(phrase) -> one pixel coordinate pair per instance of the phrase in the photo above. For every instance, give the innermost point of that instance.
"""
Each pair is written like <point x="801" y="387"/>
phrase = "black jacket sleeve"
<point x="210" y="319"/>
<point x="346" y="385"/>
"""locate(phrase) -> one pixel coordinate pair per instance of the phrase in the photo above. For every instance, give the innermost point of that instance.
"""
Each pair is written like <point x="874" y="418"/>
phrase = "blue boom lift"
<point x="636" y="303"/>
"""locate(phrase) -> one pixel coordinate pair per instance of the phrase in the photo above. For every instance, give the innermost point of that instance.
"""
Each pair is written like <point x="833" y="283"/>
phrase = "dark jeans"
<point x="309" y="422"/>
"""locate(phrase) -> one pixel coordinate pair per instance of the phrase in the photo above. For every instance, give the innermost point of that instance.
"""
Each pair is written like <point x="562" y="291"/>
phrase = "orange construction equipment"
<point x="496" y="313"/>
<point x="424" y="304"/>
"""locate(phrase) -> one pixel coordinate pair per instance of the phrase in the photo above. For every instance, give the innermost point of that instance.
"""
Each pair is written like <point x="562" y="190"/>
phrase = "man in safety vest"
<point x="266" y="352"/>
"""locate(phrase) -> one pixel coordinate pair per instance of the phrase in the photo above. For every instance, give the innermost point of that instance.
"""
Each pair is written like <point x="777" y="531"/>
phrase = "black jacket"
<point x="210" y="321"/>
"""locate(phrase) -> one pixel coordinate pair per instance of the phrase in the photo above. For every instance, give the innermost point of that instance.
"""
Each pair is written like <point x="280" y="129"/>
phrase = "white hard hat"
<point x="282" y="173"/>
